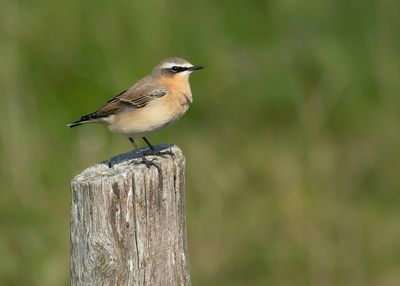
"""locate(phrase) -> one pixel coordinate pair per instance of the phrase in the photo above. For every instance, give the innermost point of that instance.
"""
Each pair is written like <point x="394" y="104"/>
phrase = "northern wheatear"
<point x="152" y="103"/>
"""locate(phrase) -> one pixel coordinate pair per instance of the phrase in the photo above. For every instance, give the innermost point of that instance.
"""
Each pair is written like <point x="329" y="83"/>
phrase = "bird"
<point x="152" y="103"/>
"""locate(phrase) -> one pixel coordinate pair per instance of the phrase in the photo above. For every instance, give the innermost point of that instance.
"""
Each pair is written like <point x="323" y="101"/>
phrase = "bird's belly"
<point x="145" y="120"/>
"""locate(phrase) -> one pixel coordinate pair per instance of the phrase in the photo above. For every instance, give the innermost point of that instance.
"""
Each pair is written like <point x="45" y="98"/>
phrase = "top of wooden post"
<point x="125" y="162"/>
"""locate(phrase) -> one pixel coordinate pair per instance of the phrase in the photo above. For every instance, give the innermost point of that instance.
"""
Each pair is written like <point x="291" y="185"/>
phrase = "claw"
<point x="146" y="162"/>
<point x="151" y="162"/>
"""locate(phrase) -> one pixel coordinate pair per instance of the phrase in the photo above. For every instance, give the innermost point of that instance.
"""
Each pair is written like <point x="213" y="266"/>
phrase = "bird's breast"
<point x="184" y="100"/>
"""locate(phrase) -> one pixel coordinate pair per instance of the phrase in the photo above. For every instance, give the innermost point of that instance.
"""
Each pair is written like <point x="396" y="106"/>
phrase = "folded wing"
<point x="138" y="96"/>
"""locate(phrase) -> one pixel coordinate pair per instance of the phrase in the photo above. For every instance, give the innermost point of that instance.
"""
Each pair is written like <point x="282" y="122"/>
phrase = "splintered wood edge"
<point x="127" y="163"/>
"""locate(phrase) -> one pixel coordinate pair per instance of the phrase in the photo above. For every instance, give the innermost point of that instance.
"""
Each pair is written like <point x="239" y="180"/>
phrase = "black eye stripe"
<point x="178" y="69"/>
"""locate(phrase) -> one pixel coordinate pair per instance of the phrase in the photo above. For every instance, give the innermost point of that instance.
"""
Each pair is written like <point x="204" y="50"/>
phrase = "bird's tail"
<point x="76" y="123"/>
<point x="84" y="119"/>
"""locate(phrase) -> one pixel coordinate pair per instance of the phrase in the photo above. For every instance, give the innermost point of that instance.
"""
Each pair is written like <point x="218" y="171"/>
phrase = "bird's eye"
<point x="175" y="69"/>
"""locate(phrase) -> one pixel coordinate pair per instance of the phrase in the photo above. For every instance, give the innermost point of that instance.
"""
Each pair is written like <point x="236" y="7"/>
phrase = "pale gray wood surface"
<point x="128" y="223"/>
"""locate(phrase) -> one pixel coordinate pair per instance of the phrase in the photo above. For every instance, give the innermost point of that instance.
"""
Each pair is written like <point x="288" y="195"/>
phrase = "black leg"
<point x="148" y="143"/>
<point x="159" y="153"/>
<point x="134" y="143"/>
<point x="144" y="161"/>
<point x="142" y="155"/>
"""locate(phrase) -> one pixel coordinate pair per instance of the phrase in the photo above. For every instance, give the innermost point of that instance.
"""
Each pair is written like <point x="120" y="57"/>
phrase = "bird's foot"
<point x="151" y="162"/>
<point x="146" y="162"/>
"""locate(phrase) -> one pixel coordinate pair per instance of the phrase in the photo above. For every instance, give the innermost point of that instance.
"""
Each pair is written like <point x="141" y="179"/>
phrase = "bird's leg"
<point x="134" y="143"/>
<point x="148" y="143"/>
<point x="148" y="163"/>
<point x="159" y="153"/>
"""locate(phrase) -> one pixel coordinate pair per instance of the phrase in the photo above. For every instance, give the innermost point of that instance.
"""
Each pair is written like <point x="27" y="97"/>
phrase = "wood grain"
<point x="128" y="222"/>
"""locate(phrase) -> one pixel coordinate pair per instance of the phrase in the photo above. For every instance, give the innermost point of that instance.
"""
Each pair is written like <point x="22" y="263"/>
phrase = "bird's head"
<point x="176" y="68"/>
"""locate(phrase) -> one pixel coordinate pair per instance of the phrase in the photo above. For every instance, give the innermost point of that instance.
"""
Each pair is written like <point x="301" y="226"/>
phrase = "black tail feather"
<point x="76" y="123"/>
<point x="84" y="119"/>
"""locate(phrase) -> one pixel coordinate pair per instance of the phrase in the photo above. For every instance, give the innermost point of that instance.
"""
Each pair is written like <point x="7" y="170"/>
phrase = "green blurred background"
<point x="292" y="142"/>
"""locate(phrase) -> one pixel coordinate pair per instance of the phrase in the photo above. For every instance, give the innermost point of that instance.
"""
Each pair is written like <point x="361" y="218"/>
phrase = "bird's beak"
<point x="194" y="68"/>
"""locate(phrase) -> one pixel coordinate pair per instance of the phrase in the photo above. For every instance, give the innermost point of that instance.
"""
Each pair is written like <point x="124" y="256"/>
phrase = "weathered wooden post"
<point x="128" y="223"/>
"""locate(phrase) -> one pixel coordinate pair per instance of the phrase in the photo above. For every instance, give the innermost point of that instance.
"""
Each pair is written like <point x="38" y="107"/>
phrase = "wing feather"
<point x="137" y="96"/>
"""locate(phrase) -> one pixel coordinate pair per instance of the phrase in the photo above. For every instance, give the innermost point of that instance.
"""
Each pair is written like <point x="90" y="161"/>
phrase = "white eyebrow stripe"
<point x="170" y="65"/>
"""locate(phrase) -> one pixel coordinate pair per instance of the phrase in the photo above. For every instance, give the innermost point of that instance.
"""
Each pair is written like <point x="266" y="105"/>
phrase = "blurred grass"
<point x="292" y="142"/>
